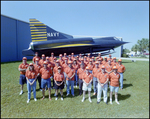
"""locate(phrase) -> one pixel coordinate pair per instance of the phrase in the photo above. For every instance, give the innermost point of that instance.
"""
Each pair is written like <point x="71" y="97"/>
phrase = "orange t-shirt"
<point x="114" y="79"/>
<point x="45" y="73"/>
<point x="72" y="57"/>
<point x="70" y="72"/>
<point x="23" y="66"/>
<point x="87" y="78"/>
<point x="31" y="74"/>
<point x="102" y="77"/>
<point x="41" y="62"/>
<point x="51" y="59"/>
<point x="61" y="62"/>
<point x="80" y="72"/>
<point x="75" y="66"/>
<point x="37" y="68"/>
<point x="64" y="66"/>
<point x="104" y="62"/>
<point x="95" y="71"/>
<point x="58" y="77"/>
<point x="34" y="58"/>
<point x="114" y="63"/>
<point x="121" y="68"/>
<point x="55" y="70"/>
<point x="108" y="67"/>
<point x="90" y="66"/>
<point x="88" y="59"/>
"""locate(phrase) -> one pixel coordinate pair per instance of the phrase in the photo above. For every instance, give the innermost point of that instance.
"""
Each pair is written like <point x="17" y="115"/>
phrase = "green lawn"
<point x="134" y="98"/>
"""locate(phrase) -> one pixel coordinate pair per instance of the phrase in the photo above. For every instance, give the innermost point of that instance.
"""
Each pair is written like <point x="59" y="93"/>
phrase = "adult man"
<point x="37" y="68"/>
<point x="114" y="63"/>
<point x="59" y="83"/>
<point x="72" y="56"/>
<point x="36" y="56"/>
<point x="45" y="75"/>
<point x="80" y="57"/>
<point x="78" y="61"/>
<point x="69" y="58"/>
<point x="95" y="72"/>
<point x="121" y="70"/>
<point x="87" y="79"/>
<point x="65" y="65"/>
<point x="42" y="60"/>
<point x="61" y="61"/>
<point x="65" y="56"/>
<point x="102" y="79"/>
<point x="22" y="68"/>
<point x="88" y="58"/>
<point x="104" y="61"/>
<point x="80" y="72"/>
<point x="108" y="66"/>
<point x="99" y="55"/>
<point x="75" y="65"/>
<point x="90" y="65"/>
<point x="70" y="73"/>
<point x="85" y="60"/>
<point x="51" y="59"/>
<point x="110" y="58"/>
<point x="114" y="84"/>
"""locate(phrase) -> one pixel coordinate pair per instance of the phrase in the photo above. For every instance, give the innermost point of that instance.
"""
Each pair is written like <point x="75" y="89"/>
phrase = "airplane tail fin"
<point x="42" y="32"/>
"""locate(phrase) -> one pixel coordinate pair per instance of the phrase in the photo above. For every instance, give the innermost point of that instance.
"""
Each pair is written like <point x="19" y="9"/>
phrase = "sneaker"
<point x="90" y="100"/>
<point x="98" y="102"/>
<point x="76" y="86"/>
<point x="117" y="102"/>
<point x="111" y="102"/>
<point x="56" y="98"/>
<point x="28" y="100"/>
<point x="94" y="93"/>
<point x="73" y="95"/>
<point x="21" y="93"/>
<point x="35" y="99"/>
<point x="83" y="100"/>
<point x="62" y="98"/>
<point x="67" y="94"/>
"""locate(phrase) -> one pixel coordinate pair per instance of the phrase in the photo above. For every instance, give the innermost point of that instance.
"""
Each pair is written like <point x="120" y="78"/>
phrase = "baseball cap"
<point x="120" y="60"/>
<point x="103" y="67"/>
<point x="114" y="67"/>
<point x="87" y="67"/>
<point x="31" y="64"/>
<point x="43" y="55"/>
<point x="37" y="59"/>
<point x="24" y="58"/>
<point x="45" y="62"/>
<point x="70" y="62"/>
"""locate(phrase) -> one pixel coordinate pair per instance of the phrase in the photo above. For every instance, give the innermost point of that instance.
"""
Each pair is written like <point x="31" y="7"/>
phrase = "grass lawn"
<point x="134" y="98"/>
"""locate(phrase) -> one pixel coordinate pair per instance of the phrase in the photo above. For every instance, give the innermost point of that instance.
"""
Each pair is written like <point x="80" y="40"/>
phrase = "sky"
<point x="126" y="19"/>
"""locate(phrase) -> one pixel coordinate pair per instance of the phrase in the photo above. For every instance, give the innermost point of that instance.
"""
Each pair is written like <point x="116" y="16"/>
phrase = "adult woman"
<point x="31" y="76"/>
<point x="59" y="83"/>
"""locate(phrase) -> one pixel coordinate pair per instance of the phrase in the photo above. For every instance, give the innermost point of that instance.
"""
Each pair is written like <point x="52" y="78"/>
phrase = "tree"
<point x="141" y="45"/>
<point x="126" y="51"/>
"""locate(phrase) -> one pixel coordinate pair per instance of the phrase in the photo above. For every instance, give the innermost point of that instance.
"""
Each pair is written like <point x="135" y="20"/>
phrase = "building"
<point x="15" y="36"/>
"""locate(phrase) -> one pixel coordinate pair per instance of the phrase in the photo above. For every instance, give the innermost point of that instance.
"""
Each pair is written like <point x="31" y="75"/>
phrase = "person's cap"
<point x="65" y="53"/>
<point x="57" y="61"/>
<point x="109" y="54"/>
<point x="69" y="55"/>
<point x="77" y="56"/>
<point x="99" y="53"/>
<point x="114" y="58"/>
<point x="55" y="58"/>
<point x="52" y="53"/>
<point x="24" y="58"/>
<point x="70" y="62"/>
<point x="99" y="59"/>
<point x="37" y="59"/>
<point x="114" y="67"/>
<point x="96" y="62"/>
<point x="84" y="56"/>
<point x="92" y="57"/>
<point x="88" y="54"/>
<point x="91" y="60"/>
<point x="103" y="67"/>
<point x="36" y="52"/>
<point x="105" y="57"/>
<point x="87" y="67"/>
<point x="45" y="62"/>
<point x="120" y="60"/>
<point x="47" y="57"/>
<point x="59" y="67"/>
<point x="72" y="53"/>
<point x="43" y="55"/>
<point x="82" y="59"/>
<point x="31" y="64"/>
<point x="60" y="55"/>
<point x="80" y="54"/>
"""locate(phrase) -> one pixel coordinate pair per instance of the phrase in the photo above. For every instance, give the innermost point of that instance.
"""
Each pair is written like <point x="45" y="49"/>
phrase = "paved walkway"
<point x="135" y="59"/>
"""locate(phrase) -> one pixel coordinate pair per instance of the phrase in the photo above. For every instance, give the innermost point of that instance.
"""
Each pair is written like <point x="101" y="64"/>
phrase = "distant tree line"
<point x="141" y="45"/>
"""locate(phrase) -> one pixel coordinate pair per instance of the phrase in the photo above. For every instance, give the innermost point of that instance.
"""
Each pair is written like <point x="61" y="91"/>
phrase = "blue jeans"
<point x="121" y="80"/>
<point x="22" y="79"/>
<point x="70" y="83"/>
<point x="76" y="78"/>
<point x="29" y="88"/>
<point x="45" y="82"/>
<point x="95" y="84"/>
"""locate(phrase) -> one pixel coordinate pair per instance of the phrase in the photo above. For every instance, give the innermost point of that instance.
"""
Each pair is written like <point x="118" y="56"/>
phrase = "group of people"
<point x="70" y="71"/>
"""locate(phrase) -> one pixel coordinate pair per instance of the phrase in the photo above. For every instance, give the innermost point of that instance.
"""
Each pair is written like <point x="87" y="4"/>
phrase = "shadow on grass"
<point x="123" y="97"/>
<point x="124" y="79"/>
<point x="126" y="62"/>
<point x="127" y="85"/>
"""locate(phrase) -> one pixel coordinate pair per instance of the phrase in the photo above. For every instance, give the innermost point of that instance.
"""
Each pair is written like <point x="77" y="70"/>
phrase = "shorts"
<point x="59" y="87"/>
<point x="45" y="82"/>
<point x="112" y="88"/>
<point x="22" y="79"/>
<point x="85" y="88"/>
